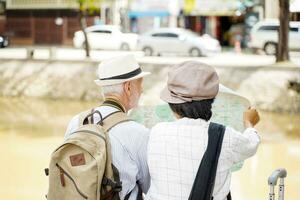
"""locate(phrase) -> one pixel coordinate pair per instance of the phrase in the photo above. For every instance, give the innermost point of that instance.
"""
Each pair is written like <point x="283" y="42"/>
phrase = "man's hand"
<point x="251" y="117"/>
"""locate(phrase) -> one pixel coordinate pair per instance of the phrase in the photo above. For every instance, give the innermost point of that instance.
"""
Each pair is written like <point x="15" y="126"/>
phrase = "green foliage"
<point x="89" y="5"/>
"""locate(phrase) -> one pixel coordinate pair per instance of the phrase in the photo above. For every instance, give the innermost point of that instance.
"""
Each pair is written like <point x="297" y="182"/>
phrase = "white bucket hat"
<point x="118" y="70"/>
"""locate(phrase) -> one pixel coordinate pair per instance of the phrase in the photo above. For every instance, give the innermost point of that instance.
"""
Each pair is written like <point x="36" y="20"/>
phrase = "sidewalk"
<point x="224" y="59"/>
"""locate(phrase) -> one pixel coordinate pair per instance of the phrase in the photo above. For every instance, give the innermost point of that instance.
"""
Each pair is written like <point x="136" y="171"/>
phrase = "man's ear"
<point x="127" y="88"/>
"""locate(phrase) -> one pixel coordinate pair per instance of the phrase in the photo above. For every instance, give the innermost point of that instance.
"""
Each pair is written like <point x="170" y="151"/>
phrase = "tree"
<point x="85" y="7"/>
<point x="283" y="41"/>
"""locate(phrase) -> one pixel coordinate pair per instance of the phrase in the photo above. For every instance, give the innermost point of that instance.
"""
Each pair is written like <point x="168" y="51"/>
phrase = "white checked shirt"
<point x="175" y="150"/>
<point x="129" y="152"/>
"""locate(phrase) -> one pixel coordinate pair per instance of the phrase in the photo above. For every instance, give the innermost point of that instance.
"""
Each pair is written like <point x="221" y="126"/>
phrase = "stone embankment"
<point x="269" y="88"/>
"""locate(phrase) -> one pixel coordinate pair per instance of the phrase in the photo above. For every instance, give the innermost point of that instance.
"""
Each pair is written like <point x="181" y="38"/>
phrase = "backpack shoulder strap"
<point x="83" y="115"/>
<point x="205" y="179"/>
<point x="107" y="122"/>
<point x="111" y="173"/>
<point x="87" y="117"/>
<point x="113" y="119"/>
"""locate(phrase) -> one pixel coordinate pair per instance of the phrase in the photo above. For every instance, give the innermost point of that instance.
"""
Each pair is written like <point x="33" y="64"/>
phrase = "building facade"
<point x="148" y="14"/>
<point x="272" y="9"/>
<point x="36" y="22"/>
<point x="228" y="21"/>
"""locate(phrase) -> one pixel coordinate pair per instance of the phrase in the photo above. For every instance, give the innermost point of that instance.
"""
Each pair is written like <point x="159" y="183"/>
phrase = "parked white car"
<point x="264" y="35"/>
<point x="178" y="41"/>
<point x="3" y="41"/>
<point x="108" y="37"/>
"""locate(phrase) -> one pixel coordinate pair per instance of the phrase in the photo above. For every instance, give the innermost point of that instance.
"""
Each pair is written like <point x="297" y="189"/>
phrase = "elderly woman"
<point x="175" y="149"/>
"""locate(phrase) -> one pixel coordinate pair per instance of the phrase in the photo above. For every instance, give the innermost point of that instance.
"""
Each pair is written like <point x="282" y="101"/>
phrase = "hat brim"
<point x="166" y="96"/>
<point x="119" y="81"/>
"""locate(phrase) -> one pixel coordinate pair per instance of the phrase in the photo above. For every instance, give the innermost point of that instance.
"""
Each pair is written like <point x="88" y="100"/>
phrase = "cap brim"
<point x="166" y="96"/>
<point x="118" y="81"/>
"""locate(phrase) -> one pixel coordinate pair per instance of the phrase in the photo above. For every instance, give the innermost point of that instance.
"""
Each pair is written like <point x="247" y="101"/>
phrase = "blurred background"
<point x="50" y="50"/>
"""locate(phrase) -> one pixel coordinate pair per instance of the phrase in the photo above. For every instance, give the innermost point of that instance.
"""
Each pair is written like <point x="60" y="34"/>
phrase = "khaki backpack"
<point x="81" y="168"/>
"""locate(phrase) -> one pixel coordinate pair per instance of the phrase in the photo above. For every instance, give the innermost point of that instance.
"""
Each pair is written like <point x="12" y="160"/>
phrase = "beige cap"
<point x="190" y="81"/>
<point x="118" y="70"/>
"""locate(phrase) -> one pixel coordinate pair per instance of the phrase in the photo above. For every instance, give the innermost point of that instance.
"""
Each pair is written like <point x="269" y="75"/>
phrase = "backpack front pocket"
<point x="63" y="174"/>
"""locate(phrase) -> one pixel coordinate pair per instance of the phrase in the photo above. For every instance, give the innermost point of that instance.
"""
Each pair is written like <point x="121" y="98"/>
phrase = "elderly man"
<point x="121" y="81"/>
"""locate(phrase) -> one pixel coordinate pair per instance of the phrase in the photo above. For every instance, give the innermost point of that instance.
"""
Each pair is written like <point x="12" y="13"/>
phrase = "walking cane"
<point x="272" y="181"/>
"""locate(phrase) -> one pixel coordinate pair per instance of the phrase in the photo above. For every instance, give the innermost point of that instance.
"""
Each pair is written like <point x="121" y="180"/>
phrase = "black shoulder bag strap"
<point x="139" y="195"/>
<point x="205" y="179"/>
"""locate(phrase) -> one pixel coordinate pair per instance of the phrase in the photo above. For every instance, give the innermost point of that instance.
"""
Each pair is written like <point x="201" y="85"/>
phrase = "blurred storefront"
<point x="272" y="9"/>
<point x="295" y="10"/>
<point x="228" y="21"/>
<point x="147" y="14"/>
<point x="55" y="21"/>
<point x="42" y="22"/>
<point x="2" y="17"/>
<point x="48" y="21"/>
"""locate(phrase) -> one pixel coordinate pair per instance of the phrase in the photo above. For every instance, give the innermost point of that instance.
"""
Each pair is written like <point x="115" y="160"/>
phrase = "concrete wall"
<point x="269" y="88"/>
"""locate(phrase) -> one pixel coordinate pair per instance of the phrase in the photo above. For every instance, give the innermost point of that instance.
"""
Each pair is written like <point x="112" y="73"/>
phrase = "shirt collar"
<point x="190" y="121"/>
<point x="114" y="103"/>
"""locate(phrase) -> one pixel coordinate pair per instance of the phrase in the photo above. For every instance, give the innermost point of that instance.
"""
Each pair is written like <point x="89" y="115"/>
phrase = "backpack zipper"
<point x="63" y="183"/>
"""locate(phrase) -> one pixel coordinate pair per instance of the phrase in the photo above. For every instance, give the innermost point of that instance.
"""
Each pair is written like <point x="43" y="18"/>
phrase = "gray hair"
<point x="112" y="89"/>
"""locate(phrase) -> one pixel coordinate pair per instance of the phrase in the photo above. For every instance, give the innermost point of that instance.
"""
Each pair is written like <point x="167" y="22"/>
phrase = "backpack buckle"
<point x="116" y="186"/>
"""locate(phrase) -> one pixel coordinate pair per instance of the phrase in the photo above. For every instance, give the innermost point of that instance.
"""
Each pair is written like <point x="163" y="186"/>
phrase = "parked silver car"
<point x="177" y="41"/>
<point x="264" y="35"/>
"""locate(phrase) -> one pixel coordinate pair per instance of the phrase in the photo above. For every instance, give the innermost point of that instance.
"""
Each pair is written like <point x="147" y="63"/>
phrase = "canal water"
<point x="30" y="129"/>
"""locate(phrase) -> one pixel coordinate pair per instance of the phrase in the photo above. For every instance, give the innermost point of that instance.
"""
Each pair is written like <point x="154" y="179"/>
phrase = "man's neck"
<point x="116" y="100"/>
